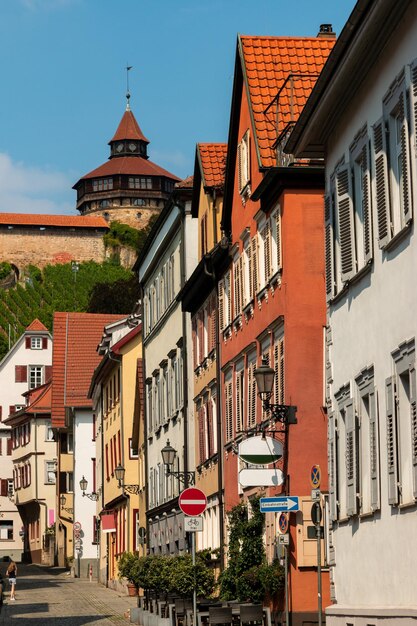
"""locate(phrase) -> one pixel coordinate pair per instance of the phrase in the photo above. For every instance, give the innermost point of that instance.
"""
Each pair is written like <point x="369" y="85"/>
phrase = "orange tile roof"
<point x="186" y="183"/>
<point x="267" y="63"/>
<point x="74" y="359"/>
<point x="36" y="325"/>
<point x="212" y="157"/>
<point x="59" y="221"/>
<point x="128" y="129"/>
<point x="135" y="166"/>
<point x="39" y="399"/>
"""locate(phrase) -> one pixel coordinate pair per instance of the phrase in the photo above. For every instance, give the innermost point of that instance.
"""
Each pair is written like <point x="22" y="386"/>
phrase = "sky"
<point x="64" y="82"/>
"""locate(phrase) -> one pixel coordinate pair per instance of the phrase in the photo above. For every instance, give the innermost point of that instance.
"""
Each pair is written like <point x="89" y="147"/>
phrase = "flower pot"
<point x="132" y="590"/>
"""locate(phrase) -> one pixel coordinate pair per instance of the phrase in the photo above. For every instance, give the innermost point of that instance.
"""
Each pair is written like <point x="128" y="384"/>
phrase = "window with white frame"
<point x="225" y="301"/>
<point x="50" y="472"/>
<point x="243" y="165"/>
<point x="238" y="284"/>
<point x="35" y="376"/>
<point x="367" y="441"/>
<point x="49" y="433"/>
<point x="345" y="467"/>
<point x="401" y="427"/>
<point x="36" y="343"/>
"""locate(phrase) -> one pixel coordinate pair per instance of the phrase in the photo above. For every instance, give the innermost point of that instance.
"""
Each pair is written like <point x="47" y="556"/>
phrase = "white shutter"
<point x="329" y="247"/>
<point x="251" y="410"/>
<point x="381" y="183"/>
<point x="413" y="419"/>
<point x="346" y="224"/>
<point x="255" y="278"/>
<point x="277" y="230"/>
<point x="351" y="459"/>
<point x="332" y="463"/>
<point x="374" y="451"/>
<point x="392" y="450"/>
<point x="229" y="411"/>
<point x="239" y="391"/>
<point x="222" y="325"/>
<point x="366" y="205"/>
<point x="405" y="152"/>
<point x="413" y="95"/>
<point x="266" y="234"/>
<point x="228" y="289"/>
<point x="241" y="282"/>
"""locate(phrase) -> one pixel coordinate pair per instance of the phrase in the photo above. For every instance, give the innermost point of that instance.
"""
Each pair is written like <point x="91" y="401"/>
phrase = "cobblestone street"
<point x="49" y="597"/>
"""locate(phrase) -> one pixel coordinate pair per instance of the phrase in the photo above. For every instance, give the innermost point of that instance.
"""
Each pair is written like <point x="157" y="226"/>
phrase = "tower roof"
<point x="128" y="129"/>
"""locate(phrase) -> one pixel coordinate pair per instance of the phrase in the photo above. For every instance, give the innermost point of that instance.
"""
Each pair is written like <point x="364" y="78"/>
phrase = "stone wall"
<point x="24" y="246"/>
<point x="137" y="217"/>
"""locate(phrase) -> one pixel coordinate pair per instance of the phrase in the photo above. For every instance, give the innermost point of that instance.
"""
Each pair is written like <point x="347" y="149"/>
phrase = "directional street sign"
<point x="279" y="504"/>
<point x="192" y="501"/>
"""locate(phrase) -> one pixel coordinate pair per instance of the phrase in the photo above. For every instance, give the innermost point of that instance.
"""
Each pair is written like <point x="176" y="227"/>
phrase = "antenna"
<point x="128" y="68"/>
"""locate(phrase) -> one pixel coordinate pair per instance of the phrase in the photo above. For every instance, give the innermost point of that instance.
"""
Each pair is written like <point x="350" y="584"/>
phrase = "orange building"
<point x="271" y="298"/>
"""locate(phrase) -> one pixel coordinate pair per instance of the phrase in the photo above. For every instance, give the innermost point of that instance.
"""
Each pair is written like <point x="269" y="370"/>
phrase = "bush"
<point x="127" y="566"/>
<point x="5" y="269"/>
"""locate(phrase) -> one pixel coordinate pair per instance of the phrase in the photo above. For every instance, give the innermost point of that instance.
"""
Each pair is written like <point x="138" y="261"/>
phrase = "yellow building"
<point x="199" y="297"/>
<point x="116" y="392"/>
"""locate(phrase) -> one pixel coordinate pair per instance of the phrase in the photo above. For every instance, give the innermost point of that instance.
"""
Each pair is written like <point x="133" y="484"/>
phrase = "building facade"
<point x="369" y="139"/>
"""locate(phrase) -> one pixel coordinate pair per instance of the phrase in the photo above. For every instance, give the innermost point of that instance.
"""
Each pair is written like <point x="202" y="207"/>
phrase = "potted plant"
<point x="127" y="565"/>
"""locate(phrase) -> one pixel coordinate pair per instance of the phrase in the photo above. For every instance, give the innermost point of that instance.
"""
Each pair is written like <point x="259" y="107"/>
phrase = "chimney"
<point x="326" y="32"/>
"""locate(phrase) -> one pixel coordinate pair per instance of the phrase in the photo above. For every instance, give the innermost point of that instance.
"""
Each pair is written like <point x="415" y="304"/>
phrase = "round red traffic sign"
<point x="283" y="523"/>
<point x="192" y="501"/>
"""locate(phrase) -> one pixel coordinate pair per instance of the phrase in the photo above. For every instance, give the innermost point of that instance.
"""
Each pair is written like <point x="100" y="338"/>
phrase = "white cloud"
<point x="30" y="189"/>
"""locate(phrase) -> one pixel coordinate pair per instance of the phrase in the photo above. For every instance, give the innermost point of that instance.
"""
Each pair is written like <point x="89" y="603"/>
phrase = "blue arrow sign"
<point x="279" y="504"/>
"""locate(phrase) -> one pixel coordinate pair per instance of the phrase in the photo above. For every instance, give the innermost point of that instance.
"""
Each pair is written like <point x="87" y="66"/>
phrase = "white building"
<point x="167" y="261"/>
<point x="363" y="116"/>
<point x="25" y="366"/>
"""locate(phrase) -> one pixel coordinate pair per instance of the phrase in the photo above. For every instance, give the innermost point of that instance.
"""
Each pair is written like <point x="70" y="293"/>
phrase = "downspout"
<point x="36" y="477"/>
<point x="145" y="419"/>
<point x="214" y="216"/>
<point x="184" y="346"/>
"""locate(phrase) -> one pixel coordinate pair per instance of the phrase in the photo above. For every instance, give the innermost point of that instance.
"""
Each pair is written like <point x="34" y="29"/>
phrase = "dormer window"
<point x="243" y="157"/>
<point x="36" y="343"/>
<point x="140" y="183"/>
<point x="102" y="184"/>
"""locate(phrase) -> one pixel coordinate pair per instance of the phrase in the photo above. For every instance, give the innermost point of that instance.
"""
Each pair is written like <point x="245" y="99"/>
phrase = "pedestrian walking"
<point x="11" y="572"/>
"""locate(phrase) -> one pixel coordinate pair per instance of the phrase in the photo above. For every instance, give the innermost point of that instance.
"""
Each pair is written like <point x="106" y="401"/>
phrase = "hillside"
<point x="93" y="287"/>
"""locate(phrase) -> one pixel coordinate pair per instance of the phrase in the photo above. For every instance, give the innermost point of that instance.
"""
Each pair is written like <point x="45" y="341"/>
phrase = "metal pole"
<point x="287" y="610"/>
<point x="318" y="535"/>
<point x="195" y="582"/>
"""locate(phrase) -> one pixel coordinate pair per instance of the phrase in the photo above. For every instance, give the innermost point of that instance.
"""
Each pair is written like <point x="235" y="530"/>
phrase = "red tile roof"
<point x="212" y="158"/>
<point x="36" y="325"/>
<point x="39" y="399"/>
<point x="58" y="221"/>
<point x="134" y="166"/>
<point x="74" y="359"/>
<point x="267" y="63"/>
<point x="128" y="129"/>
<point x="186" y="183"/>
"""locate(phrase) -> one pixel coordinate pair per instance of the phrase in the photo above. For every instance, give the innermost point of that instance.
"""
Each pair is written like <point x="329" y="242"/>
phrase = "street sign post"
<point x="192" y="501"/>
<point x="279" y="504"/>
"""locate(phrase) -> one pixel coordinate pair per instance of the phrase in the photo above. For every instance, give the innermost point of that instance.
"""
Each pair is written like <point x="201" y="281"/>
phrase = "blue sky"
<point x="64" y="83"/>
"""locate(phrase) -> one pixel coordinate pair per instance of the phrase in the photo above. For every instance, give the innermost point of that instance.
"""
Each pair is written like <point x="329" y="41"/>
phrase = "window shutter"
<point x="366" y="205"/>
<point x="21" y="374"/>
<point x="239" y="166"/>
<point x="221" y="305"/>
<point x="229" y="410"/>
<point x="251" y="395"/>
<point x="413" y="416"/>
<point x="332" y="462"/>
<point x="213" y="323"/>
<point x="373" y="452"/>
<point x="248" y="274"/>
<point x="12" y="409"/>
<point x="278" y="238"/>
<point x="3" y="487"/>
<point x="413" y="93"/>
<point x="381" y="183"/>
<point x="405" y="151"/>
<point x="241" y="281"/>
<point x="229" y="297"/>
<point x="44" y="343"/>
<point x="255" y="280"/>
<point x="329" y="247"/>
<point x="48" y="373"/>
<point x="236" y="287"/>
<point x="392" y="461"/>
<point x="28" y="343"/>
<point x="9" y="446"/>
<point x="346" y="226"/>
<point x="201" y="435"/>
<point x="239" y="416"/>
<point x="351" y="459"/>
<point x="1" y="413"/>
<point x="210" y="428"/>
<point x="267" y="251"/>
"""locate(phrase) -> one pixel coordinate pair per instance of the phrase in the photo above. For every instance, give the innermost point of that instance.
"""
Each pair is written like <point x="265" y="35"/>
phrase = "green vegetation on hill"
<point x="93" y="287"/>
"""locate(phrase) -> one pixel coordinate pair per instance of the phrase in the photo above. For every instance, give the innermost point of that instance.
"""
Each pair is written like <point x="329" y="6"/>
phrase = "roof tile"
<point x="57" y="221"/>
<point x="269" y="62"/>
<point x="128" y="165"/>
<point x="36" y="325"/>
<point x="128" y="129"/>
<point x="213" y="163"/>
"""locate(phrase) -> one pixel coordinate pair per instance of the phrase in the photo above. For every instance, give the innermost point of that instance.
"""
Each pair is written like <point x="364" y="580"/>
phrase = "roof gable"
<point x="128" y="129"/>
<point x="36" y="325"/>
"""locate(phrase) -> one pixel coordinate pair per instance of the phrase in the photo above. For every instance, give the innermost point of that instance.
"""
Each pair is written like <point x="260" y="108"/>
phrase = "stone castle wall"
<point x="137" y="217"/>
<point x="26" y="246"/>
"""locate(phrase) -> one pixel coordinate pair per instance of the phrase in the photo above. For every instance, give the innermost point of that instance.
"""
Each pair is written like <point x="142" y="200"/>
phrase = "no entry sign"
<point x="192" y="501"/>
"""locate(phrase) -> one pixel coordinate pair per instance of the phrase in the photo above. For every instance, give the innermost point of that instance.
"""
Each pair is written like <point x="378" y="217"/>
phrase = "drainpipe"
<point x="145" y="420"/>
<point x="184" y="346"/>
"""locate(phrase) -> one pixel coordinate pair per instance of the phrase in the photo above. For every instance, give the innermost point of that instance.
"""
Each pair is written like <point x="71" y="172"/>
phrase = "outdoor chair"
<point x="220" y="615"/>
<point x="251" y="614"/>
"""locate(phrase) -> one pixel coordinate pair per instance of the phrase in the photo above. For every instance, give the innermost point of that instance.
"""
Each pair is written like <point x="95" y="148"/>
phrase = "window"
<point x="367" y="440"/>
<point x="238" y="286"/>
<point x="49" y="433"/>
<point x="35" y="376"/>
<point x="133" y="450"/>
<point x="228" y="391"/>
<point x="149" y="399"/>
<point x="50" y="472"/>
<point x="225" y="304"/>
<point x="401" y="427"/>
<point x="102" y="184"/>
<point x="36" y="343"/>
<point x="140" y="183"/>
<point x="6" y="530"/>
<point x="240" y="396"/>
<point x="251" y="391"/>
<point x="243" y="156"/>
<point x="278" y="354"/>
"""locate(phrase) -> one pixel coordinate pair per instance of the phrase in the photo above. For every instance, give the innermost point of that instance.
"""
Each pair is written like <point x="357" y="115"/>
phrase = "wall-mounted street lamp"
<point x="168" y="456"/>
<point x="62" y="501"/>
<point x="119" y="472"/>
<point x="83" y="486"/>
<point x="284" y="413"/>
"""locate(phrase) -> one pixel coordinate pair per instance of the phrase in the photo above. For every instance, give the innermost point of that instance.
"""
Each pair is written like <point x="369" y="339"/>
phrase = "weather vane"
<point x="128" y="68"/>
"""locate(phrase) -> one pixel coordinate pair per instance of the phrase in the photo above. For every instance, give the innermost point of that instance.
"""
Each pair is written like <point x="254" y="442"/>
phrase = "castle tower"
<point x="128" y="187"/>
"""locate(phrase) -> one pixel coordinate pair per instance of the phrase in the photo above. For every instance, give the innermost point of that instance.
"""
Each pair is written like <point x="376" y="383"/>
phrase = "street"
<point x="49" y="597"/>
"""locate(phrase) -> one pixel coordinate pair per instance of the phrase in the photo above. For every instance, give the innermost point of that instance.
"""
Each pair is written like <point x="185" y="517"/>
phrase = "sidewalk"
<point x="49" y="597"/>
